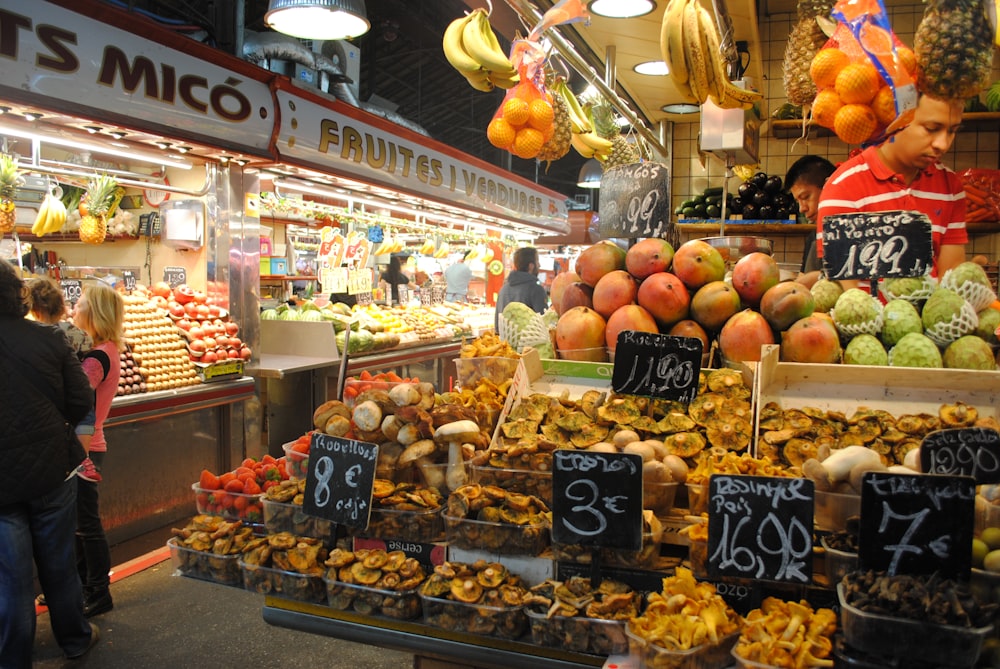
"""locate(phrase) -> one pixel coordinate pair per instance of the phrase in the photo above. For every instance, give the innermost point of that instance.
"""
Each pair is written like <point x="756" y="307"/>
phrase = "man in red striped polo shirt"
<point x="905" y="173"/>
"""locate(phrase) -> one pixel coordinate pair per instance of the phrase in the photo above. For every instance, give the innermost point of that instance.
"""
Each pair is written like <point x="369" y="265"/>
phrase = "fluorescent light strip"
<point x="95" y="148"/>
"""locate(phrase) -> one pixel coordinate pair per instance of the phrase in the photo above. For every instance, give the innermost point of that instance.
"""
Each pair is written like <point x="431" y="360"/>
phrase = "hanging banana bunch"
<point x="472" y="48"/>
<point x="51" y="216"/>
<point x="427" y="248"/>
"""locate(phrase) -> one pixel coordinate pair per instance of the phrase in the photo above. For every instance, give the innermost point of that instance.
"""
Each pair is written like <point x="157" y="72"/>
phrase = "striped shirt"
<point x="865" y="183"/>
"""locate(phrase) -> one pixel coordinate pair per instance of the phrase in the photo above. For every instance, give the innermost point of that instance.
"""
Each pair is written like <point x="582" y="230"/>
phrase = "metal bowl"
<point x="734" y="248"/>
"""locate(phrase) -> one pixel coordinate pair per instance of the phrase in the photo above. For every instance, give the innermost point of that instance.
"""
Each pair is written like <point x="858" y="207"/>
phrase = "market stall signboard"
<point x="72" y="290"/>
<point x="917" y="524"/>
<point x="340" y="480"/>
<point x="760" y="527"/>
<point x="962" y="451"/>
<point x="635" y="201"/>
<point x="597" y="499"/>
<point x="174" y="276"/>
<point x="875" y="245"/>
<point x="657" y="365"/>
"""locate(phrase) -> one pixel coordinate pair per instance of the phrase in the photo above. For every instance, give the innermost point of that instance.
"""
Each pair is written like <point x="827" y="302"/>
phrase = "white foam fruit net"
<point x="961" y="324"/>
<point x="872" y="327"/>
<point x="534" y="333"/>
<point x="916" y="297"/>
<point x="976" y="294"/>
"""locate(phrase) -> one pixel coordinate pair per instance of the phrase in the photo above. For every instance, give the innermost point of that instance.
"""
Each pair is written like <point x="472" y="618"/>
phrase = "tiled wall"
<point x="979" y="147"/>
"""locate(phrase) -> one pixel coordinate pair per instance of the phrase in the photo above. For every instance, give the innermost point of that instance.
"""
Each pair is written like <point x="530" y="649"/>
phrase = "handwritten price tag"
<point x="760" y="527"/>
<point x="917" y="524"/>
<point x="635" y="200"/>
<point x="656" y="365"/>
<point x="340" y="480"/>
<point x="963" y="451"/>
<point x="597" y="499"/>
<point x="174" y="276"/>
<point x="873" y="245"/>
<point x="72" y="290"/>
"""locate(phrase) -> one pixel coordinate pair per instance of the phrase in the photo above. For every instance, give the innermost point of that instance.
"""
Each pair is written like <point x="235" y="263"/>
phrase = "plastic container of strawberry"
<point x="229" y="505"/>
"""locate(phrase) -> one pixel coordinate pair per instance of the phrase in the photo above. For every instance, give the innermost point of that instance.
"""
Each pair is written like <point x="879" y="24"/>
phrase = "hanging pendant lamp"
<point x="590" y="174"/>
<point x="318" y="19"/>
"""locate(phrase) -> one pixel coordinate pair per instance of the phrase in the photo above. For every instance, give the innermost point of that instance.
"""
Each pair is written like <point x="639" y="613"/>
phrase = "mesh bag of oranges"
<point x="525" y="120"/>
<point x="863" y="74"/>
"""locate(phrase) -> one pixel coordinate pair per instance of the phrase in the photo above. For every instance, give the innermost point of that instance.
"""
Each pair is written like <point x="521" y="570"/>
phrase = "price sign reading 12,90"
<point x="597" y="499"/>
<point x="919" y="524"/>
<point x="962" y="451"/>
<point x="760" y="527"/>
<point x="340" y="479"/>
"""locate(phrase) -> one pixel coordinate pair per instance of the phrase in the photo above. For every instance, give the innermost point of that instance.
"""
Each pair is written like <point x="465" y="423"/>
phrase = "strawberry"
<point x="234" y="485"/>
<point x="251" y="487"/>
<point x="208" y="481"/>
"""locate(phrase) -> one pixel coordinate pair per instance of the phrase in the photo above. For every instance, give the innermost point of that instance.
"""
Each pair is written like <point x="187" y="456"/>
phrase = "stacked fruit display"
<point x="130" y="380"/>
<point x="651" y="288"/>
<point x="156" y="346"/>
<point x="211" y="335"/>
<point x="235" y="495"/>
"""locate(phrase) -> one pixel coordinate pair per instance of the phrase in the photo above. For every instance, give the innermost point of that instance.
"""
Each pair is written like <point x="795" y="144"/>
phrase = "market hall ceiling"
<point x="403" y="68"/>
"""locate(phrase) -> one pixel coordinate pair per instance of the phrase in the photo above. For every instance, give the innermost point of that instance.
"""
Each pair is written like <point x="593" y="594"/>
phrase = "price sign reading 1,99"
<point x="597" y="499"/>
<point x="340" y="480"/>
<point x="72" y="290"/>
<point x="760" y="527"/>
<point x="873" y="245"/>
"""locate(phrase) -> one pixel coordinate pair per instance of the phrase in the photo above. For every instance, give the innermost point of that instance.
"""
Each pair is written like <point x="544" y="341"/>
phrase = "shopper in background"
<point x="458" y="277"/>
<point x="805" y="180"/>
<point x="101" y="314"/>
<point x="394" y="276"/>
<point x="43" y="394"/>
<point x="904" y="172"/>
<point x="522" y="284"/>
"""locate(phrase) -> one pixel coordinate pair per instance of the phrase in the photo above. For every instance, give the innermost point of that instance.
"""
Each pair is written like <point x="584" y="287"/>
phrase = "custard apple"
<point x="943" y="306"/>
<point x="899" y="318"/>
<point x="865" y="349"/>
<point x="915" y="350"/>
<point x="825" y="293"/>
<point x="989" y="321"/>
<point x="969" y="352"/>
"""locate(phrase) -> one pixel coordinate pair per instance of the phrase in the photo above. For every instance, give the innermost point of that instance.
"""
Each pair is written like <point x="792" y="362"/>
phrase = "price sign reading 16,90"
<point x="340" y="479"/>
<point x="597" y="499"/>
<point x="760" y="527"/>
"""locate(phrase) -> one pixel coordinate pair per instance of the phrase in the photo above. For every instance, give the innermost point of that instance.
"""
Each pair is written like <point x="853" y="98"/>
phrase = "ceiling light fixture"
<point x="318" y="19"/>
<point x="655" y="68"/>
<point x="621" y="9"/>
<point x="163" y="145"/>
<point x="102" y="149"/>
<point x="590" y="174"/>
<point x="182" y="149"/>
<point x="93" y="129"/>
<point x="681" y="108"/>
<point x="118" y="134"/>
<point x="32" y="116"/>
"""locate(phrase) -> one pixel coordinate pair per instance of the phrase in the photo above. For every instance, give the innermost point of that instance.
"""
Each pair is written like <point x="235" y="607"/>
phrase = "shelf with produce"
<point x="59" y="237"/>
<point x="792" y="128"/>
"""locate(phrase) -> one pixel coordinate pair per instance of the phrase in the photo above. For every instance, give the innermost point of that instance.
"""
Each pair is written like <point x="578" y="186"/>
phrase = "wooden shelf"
<point x="69" y="237"/>
<point x="287" y="277"/>
<point x="982" y="226"/>
<point x="737" y="228"/>
<point x="792" y="128"/>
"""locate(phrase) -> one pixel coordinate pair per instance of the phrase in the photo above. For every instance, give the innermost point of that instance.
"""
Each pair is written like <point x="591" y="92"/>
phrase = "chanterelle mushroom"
<point x="454" y="434"/>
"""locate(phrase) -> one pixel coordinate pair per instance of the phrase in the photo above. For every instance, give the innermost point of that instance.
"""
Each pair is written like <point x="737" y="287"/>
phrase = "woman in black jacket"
<point x="43" y="395"/>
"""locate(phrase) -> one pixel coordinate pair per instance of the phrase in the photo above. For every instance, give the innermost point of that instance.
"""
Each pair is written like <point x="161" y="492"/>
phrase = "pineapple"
<point x="804" y="42"/>
<point x="622" y="152"/>
<point x="559" y="143"/>
<point x="95" y="207"/>
<point x="954" y="49"/>
<point x="9" y="181"/>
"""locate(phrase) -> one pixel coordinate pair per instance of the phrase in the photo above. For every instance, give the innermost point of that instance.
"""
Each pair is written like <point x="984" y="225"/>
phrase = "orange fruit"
<point x="540" y="114"/>
<point x="516" y="112"/>
<point x="884" y="105"/>
<point x="826" y="65"/>
<point x="527" y="143"/>
<point x="500" y="133"/>
<point x="825" y="107"/>
<point x="907" y="59"/>
<point x="854" y="123"/>
<point x="858" y="83"/>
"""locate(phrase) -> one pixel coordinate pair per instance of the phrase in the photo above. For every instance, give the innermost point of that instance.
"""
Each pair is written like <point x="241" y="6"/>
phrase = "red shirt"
<point x="865" y="183"/>
<point x="105" y="388"/>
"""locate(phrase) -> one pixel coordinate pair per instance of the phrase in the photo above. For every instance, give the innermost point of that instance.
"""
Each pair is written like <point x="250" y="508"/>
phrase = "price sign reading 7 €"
<point x="340" y="479"/>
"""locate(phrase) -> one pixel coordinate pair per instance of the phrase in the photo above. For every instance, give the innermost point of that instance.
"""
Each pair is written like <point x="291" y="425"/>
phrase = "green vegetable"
<point x="269" y="315"/>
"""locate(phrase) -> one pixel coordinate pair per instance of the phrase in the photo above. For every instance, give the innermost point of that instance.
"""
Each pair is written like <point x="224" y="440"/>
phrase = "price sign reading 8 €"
<point x="340" y="479"/>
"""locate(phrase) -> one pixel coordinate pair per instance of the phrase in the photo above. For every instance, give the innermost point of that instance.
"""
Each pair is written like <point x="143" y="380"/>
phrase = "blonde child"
<point x="101" y="314"/>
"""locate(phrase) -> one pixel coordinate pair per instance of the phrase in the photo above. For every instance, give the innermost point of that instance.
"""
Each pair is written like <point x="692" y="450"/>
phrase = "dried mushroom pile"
<point x="213" y="546"/>
<point x="492" y="519"/>
<point x="286" y="514"/>
<point x="405" y="511"/>
<point x="285" y="564"/>
<point x="924" y="598"/>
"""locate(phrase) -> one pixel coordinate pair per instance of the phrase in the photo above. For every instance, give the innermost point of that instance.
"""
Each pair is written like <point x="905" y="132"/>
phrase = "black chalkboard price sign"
<point x="340" y="479"/>
<point x="72" y="290"/>
<point x="962" y="451"/>
<point x="760" y="527"/>
<point x="128" y="278"/>
<point x="917" y="524"/>
<point x="635" y="201"/>
<point x="597" y="499"/>
<point x="874" y="245"/>
<point x="657" y="365"/>
<point x="174" y="276"/>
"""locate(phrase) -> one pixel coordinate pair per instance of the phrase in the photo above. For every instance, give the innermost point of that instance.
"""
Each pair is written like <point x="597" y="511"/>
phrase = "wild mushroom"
<point x="455" y="434"/>
<point x="404" y="394"/>
<point x="367" y="416"/>
<point x="415" y="454"/>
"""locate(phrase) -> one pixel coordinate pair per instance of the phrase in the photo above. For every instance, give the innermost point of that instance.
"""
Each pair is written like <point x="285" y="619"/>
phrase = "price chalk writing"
<point x="760" y="527"/>
<point x="72" y="290"/>
<point x="340" y="479"/>
<point x="174" y="276"/>
<point x="128" y="278"/>
<point x="597" y="499"/>
<point x="873" y="245"/>
<point x="917" y="524"/>
<point x="635" y="201"/>
<point x="657" y="365"/>
<point x="962" y="451"/>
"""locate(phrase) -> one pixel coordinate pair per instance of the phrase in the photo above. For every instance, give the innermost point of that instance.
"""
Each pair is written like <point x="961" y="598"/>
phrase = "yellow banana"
<point x="584" y="149"/>
<point x="481" y="43"/>
<point x="501" y="81"/>
<point x="480" y="80"/>
<point x="57" y="215"/>
<point x="696" y="65"/>
<point x="672" y="45"/>
<point x="578" y="119"/>
<point x="723" y="92"/>
<point x="39" y="227"/>
<point x="596" y="142"/>
<point x="456" y="54"/>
